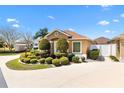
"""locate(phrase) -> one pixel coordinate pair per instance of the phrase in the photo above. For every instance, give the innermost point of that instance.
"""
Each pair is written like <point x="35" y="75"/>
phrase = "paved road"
<point x="3" y="60"/>
<point x="2" y="80"/>
<point x="92" y="74"/>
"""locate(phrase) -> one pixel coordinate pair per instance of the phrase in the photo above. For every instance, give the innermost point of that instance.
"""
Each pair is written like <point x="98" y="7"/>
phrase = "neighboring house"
<point x="78" y="44"/>
<point x="119" y="41"/>
<point x="20" y="46"/>
<point x="36" y="42"/>
<point x="101" y="40"/>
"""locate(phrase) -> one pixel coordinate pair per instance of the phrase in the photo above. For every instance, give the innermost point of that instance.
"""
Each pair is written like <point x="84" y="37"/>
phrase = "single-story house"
<point x="101" y="40"/>
<point x="119" y="41"/>
<point x="78" y="44"/>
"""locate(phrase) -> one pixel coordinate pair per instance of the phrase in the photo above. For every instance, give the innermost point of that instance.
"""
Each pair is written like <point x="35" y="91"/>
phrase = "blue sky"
<point x="92" y="21"/>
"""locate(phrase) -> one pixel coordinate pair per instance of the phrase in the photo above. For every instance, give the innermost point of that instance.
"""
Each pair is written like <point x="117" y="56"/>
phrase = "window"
<point x="77" y="46"/>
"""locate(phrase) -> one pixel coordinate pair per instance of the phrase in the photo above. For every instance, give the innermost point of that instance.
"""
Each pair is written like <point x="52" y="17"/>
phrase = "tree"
<point x="62" y="45"/>
<point x="28" y="39"/>
<point x="41" y="33"/>
<point x="10" y="36"/>
<point x="44" y="44"/>
<point x="1" y="42"/>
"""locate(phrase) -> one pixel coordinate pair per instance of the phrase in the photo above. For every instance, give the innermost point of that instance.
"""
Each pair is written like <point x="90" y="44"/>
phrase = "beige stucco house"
<point x="78" y="44"/>
<point x="119" y="41"/>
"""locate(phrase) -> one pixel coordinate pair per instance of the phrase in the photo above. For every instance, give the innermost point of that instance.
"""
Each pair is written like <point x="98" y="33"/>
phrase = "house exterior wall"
<point x="122" y="50"/>
<point x="85" y="45"/>
<point x="84" y="42"/>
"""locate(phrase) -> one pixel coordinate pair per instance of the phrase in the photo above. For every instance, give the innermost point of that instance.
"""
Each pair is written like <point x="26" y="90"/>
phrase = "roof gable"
<point x="75" y="35"/>
<point x="102" y="40"/>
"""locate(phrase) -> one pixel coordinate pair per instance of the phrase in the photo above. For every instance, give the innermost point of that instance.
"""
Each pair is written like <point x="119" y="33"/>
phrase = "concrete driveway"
<point x="94" y="75"/>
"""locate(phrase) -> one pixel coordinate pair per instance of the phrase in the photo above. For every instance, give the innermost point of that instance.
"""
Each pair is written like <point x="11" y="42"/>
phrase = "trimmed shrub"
<point x="94" y="54"/>
<point x="64" y="60"/>
<point x="70" y="55"/>
<point x="38" y="57"/>
<point x="23" y="56"/>
<point x="44" y="54"/>
<point x="48" y="60"/>
<point x="75" y="59"/>
<point x="33" y="61"/>
<point x="83" y="59"/>
<point x="62" y="45"/>
<point x="44" y="44"/>
<point x="58" y="54"/>
<point x="31" y="57"/>
<point x="22" y="59"/>
<point x="56" y="62"/>
<point x="37" y="53"/>
<point x="114" y="58"/>
<point x="26" y="60"/>
<point x="42" y="60"/>
<point x="64" y="54"/>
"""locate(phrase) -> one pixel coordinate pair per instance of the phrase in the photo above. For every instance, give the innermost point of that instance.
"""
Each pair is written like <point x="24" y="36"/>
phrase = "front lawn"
<point x="15" y="65"/>
<point x="6" y="52"/>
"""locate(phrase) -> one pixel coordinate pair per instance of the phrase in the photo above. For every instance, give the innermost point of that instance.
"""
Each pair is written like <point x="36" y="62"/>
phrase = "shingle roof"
<point x="75" y="35"/>
<point x="101" y="40"/>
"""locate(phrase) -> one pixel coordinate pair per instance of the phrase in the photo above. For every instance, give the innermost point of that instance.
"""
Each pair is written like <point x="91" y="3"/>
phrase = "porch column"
<point x="121" y="50"/>
<point x="52" y="46"/>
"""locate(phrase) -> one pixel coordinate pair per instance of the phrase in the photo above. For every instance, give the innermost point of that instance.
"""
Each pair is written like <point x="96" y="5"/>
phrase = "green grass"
<point x="15" y="65"/>
<point x="7" y="52"/>
<point x="10" y="54"/>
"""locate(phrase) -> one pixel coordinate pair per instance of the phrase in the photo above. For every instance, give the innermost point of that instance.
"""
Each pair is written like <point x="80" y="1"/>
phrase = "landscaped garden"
<point x="16" y="65"/>
<point x="43" y="58"/>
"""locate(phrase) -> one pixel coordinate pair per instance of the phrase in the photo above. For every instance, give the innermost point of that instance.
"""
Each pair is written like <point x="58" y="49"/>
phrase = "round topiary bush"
<point x="64" y="60"/>
<point x="42" y="60"/>
<point x="26" y="60"/>
<point x="83" y="59"/>
<point x="94" y="54"/>
<point x="70" y="55"/>
<point x="75" y="59"/>
<point x="33" y="61"/>
<point x="44" y="44"/>
<point x="48" y="60"/>
<point x="56" y="62"/>
<point x="62" y="45"/>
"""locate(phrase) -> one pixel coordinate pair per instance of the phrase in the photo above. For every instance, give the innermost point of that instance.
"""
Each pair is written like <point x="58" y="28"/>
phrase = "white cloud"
<point x="115" y="20"/>
<point x="109" y="31"/>
<point x="103" y="23"/>
<point x="51" y="17"/>
<point x="122" y="15"/>
<point x="71" y="29"/>
<point x="106" y="7"/>
<point x="12" y="20"/>
<point x="16" y="25"/>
